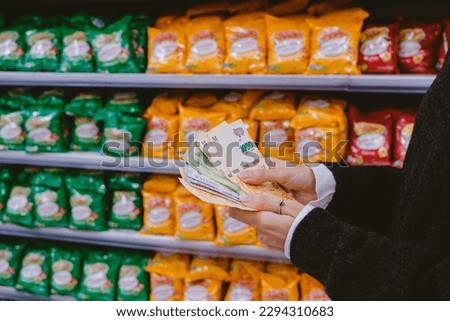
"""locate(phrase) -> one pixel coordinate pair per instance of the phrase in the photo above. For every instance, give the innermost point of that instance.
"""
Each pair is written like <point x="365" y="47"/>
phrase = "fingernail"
<point x="244" y="175"/>
<point x="246" y="199"/>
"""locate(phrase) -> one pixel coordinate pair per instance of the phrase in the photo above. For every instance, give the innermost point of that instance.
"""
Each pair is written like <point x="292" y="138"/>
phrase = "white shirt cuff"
<point x="325" y="189"/>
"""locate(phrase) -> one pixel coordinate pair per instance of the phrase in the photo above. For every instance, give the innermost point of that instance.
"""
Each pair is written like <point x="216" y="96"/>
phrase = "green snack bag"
<point x="50" y="206"/>
<point x="77" y="53"/>
<point x="43" y="49"/>
<point x="93" y="181"/>
<point x="126" y="210"/>
<point x="86" y="133"/>
<point x="133" y="279"/>
<point x="29" y="21"/>
<point x="19" y="207"/>
<point x="44" y="131"/>
<point x="35" y="272"/>
<point x="88" y="210"/>
<point x="98" y="22"/>
<point x="125" y="182"/>
<point x="126" y="102"/>
<point x="121" y="134"/>
<point x="100" y="273"/>
<point x="10" y="256"/>
<point x="17" y="99"/>
<point x="48" y="177"/>
<point x="12" y="132"/>
<point x="66" y="271"/>
<point x="139" y="26"/>
<point x="113" y="48"/>
<point x="7" y="173"/>
<point x="4" y="189"/>
<point x="12" y="48"/>
<point x="51" y="99"/>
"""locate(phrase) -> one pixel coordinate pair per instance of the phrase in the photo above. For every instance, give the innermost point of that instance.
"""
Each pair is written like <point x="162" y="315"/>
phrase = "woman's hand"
<point x="273" y="226"/>
<point x="300" y="180"/>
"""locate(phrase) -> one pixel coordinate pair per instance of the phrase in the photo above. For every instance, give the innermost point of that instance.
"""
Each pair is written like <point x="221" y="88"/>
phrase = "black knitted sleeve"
<point x="365" y="196"/>
<point x="354" y="264"/>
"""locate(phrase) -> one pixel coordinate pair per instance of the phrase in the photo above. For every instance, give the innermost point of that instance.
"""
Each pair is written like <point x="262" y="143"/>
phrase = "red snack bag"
<point x="378" y="49"/>
<point x="371" y="137"/>
<point x="404" y="125"/>
<point x="417" y="48"/>
<point x="444" y="44"/>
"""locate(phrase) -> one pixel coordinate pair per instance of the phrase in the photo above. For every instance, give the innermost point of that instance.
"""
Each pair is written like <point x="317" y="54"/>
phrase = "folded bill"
<point x="214" y="161"/>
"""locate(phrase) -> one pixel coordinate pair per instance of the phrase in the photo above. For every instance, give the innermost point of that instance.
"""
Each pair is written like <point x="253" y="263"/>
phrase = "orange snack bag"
<point x="208" y="268"/>
<point x="311" y="289"/>
<point x="164" y="21"/>
<point x="205" y="45"/>
<point x="166" y="276"/>
<point x="166" y="48"/>
<point x="159" y="217"/>
<point x="166" y="103"/>
<point x="231" y="231"/>
<point x="245" y="37"/>
<point x="283" y="270"/>
<point x="193" y="218"/>
<point x="275" y="135"/>
<point x="252" y="127"/>
<point x="161" y="183"/>
<point x="196" y="121"/>
<point x="160" y="135"/>
<point x="288" y="45"/>
<point x="320" y="130"/>
<point x="275" y="106"/>
<point x="203" y="290"/>
<point x="277" y="288"/>
<point x="245" y="281"/>
<point x="334" y="42"/>
<point x="203" y="99"/>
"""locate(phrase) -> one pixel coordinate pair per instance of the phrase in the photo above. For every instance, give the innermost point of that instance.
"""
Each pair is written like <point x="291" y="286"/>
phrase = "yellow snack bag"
<point x="277" y="288"/>
<point x="320" y="130"/>
<point x="288" y="45"/>
<point x="159" y="218"/>
<point x="311" y="289"/>
<point x="208" y="268"/>
<point x="276" y="139"/>
<point x="334" y="42"/>
<point x="193" y="219"/>
<point x="275" y="106"/>
<point x="203" y="290"/>
<point x="161" y="183"/>
<point x="196" y="121"/>
<point x="245" y="37"/>
<point x="236" y="104"/>
<point x="203" y="99"/>
<point x="160" y="136"/>
<point x="245" y="281"/>
<point x="166" y="48"/>
<point x="231" y="231"/>
<point x="205" y="45"/>
<point x="252" y="127"/>
<point x="166" y="276"/>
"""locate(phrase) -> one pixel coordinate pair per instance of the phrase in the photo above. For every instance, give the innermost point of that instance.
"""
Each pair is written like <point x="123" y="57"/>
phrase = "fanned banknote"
<point x="214" y="161"/>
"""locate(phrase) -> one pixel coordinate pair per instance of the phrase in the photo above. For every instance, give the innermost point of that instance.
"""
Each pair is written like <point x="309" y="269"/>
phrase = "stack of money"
<point x="214" y="161"/>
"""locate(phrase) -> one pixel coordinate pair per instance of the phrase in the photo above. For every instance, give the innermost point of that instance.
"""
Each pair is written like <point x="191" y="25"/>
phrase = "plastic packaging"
<point x="34" y="276"/>
<point x="133" y="281"/>
<point x="10" y="261"/>
<point x="231" y="231"/>
<point x="66" y="271"/>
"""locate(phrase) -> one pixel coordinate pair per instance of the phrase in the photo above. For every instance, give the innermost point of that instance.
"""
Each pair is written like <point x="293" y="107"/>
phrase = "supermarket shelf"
<point x="369" y="83"/>
<point x="9" y="293"/>
<point x="91" y="160"/>
<point x="134" y="240"/>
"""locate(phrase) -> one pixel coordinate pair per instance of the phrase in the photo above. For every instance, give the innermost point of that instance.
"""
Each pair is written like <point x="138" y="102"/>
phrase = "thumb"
<point x="259" y="176"/>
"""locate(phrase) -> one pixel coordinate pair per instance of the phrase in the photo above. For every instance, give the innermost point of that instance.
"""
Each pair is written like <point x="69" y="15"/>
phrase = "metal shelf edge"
<point x="135" y="240"/>
<point x="370" y="83"/>
<point x="92" y="160"/>
<point x="10" y="293"/>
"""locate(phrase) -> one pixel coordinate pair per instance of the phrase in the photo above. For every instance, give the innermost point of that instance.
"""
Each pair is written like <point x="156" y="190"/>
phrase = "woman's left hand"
<point x="272" y="226"/>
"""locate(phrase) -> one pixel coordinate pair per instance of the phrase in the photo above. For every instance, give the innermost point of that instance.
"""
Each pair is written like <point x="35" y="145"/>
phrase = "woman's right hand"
<point x="300" y="180"/>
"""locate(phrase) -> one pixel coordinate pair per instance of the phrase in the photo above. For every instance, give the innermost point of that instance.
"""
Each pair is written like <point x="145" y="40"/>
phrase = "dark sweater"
<point x="386" y="234"/>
